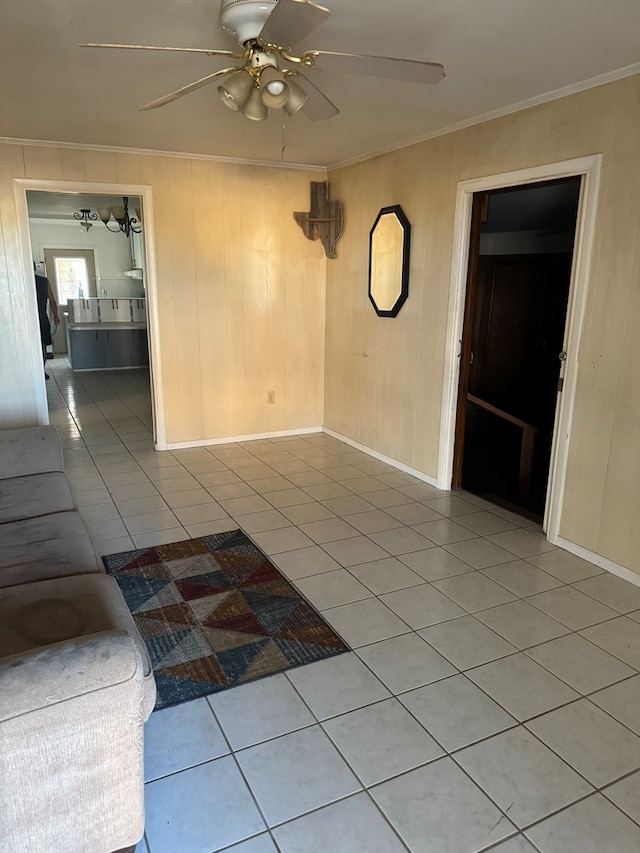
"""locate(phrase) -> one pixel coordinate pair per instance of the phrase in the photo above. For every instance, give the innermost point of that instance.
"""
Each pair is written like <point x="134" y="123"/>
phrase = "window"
<point x="72" y="277"/>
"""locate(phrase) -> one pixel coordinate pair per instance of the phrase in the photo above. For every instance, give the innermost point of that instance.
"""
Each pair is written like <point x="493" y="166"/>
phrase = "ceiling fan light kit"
<point x="267" y="31"/>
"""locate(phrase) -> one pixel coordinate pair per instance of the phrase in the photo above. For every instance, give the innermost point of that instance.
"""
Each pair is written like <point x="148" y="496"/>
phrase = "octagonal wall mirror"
<point x="389" y="242"/>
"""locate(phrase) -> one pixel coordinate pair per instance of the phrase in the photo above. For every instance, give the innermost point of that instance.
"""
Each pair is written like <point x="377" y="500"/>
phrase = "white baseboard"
<point x="229" y="439"/>
<point x="419" y="475"/>
<point x="597" y="560"/>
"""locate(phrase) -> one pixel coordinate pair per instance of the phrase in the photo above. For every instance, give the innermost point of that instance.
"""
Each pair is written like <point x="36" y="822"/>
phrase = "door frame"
<point x="588" y="168"/>
<point x="20" y="186"/>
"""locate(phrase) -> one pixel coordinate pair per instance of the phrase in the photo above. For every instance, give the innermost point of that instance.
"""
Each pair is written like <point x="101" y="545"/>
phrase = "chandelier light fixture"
<point x="119" y="216"/>
<point x="83" y="216"/>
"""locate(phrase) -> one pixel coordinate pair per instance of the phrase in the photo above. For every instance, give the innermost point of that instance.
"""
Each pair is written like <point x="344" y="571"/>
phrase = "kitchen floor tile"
<point x="353" y="824"/>
<point x="306" y="512"/>
<point x="611" y="591"/>
<point x="258" y="844"/>
<point x="421" y="606"/>
<point x="347" y="505"/>
<point x="180" y="737"/>
<point x="467" y="642"/>
<point x="522" y="775"/>
<point x="572" y="608"/>
<point x="151" y="521"/>
<point x="622" y="702"/>
<point x="356" y="550"/>
<point x="381" y="741"/>
<point x="328" y="530"/>
<point x="386" y="575"/>
<point x="259" y="522"/>
<point x="287" y="497"/>
<point x="521" y="624"/>
<point x="364" y="622"/>
<point x="200" y="512"/>
<point x="296" y="773"/>
<point x="385" y="498"/>
<point x="456" y="712"/>
<point x="485" y="523"/>
<point x="479" y="553"/>
<point x="521" y="578"/>
<point x="282" y="539"/>
<point x="522" y="543"/>
<point x="405" y="662"/>
<point x="303" y="562"/>
<point x="473" y="591"/>
<point x="335" y="686"/>
<point x="522" y="687"/>
<point x="592" y="826"/>
<point x="255" y="712"/>
<point x="434" y="563"/>
<point x="400" y="541"/>
<point x="444" y="532"/>
<point x="565" y="566"/>
<point x="592" y="742"/>
<point x="183" y="811"/>
<point x="451" y="505"/>
<point x="620" y="637"/>
<point x="372" y="521"/>
<point x="414" y="513"/>
<point x="626" y="795"/>
<point x="331" y="589"/>
<point x="579" y="663"/>
<point x="438" y="808"/>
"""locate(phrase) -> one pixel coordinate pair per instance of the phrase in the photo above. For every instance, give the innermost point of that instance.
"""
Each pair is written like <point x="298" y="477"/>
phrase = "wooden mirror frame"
<point x="403" y="273"/>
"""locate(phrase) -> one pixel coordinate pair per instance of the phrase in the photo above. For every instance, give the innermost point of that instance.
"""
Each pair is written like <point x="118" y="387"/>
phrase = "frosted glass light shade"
<point x="236" y="89"/>
<point x="105" y="214"/>
<point x="297" y="97"/>
<point x="255" y="108"/>
<point x="274" y="91"/>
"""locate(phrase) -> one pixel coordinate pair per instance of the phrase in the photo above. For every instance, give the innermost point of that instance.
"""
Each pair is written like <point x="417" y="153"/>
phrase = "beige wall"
<point x="384" y="377"/>
<point x="240" y="290"/>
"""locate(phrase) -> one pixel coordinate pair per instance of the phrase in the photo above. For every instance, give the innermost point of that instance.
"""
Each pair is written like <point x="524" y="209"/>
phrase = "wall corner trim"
<point x="419" y="475"/>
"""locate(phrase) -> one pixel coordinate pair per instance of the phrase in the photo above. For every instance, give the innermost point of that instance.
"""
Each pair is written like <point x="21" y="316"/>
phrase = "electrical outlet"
<point x="271" y="396"/>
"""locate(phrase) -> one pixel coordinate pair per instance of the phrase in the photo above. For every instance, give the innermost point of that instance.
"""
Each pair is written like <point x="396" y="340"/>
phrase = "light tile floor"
<point x="491" y="698"/>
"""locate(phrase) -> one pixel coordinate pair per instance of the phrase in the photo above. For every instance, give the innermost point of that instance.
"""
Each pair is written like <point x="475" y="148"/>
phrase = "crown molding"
<point x="554" y="95"/>
<point x="147" y="152"/>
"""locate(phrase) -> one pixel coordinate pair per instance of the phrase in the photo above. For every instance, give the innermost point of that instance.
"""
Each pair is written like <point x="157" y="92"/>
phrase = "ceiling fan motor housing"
<point x="245" y="18"/>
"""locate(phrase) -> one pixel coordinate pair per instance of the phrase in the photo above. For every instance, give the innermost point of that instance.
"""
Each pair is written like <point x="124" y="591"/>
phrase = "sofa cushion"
<point x="49" y="546"/>
<point x="30" y="450"/>
<point x="39" y="494"/>
<point x="54" y="613"/>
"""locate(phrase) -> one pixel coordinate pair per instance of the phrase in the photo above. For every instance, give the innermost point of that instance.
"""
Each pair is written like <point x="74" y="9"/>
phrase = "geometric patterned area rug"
<point x="215" y="612"/>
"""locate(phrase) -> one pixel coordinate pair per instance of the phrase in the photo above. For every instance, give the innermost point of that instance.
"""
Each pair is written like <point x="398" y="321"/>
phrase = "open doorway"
<point x="519" y="272"/>
<point x="90" y="247"/>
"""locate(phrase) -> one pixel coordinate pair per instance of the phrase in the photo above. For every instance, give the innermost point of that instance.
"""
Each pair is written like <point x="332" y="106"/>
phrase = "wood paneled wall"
<point x="240" y="292"/>
<point x="384" y="377"/>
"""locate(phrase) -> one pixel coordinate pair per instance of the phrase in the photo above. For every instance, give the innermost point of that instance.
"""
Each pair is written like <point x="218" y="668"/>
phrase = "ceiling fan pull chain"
<point x="284" y="140"/>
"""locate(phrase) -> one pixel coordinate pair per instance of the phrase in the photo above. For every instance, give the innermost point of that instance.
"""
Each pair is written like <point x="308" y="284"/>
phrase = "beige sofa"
<point x="76" y="684"/>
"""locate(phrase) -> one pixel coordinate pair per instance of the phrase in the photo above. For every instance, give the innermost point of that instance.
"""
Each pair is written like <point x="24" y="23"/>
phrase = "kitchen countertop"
<point x="86" y="327"/>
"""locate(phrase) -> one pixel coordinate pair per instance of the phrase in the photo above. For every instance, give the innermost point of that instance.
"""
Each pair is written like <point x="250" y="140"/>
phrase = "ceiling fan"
<point x="267" y="31"/>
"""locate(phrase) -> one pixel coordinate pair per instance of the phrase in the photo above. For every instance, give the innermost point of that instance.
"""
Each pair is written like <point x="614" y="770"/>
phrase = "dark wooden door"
<point x="513" y="334"/>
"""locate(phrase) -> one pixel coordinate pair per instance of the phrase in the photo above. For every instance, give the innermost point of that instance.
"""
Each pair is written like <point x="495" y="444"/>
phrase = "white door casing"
<point x="589" y="169"/>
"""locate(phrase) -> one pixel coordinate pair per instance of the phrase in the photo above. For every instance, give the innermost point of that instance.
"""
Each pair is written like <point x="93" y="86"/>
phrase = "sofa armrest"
<point x="46" y="676"/>
<point x="30" y="450"/>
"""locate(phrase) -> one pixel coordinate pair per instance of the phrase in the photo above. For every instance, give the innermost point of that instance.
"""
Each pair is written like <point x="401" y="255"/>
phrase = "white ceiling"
<point x="497" y="54"/>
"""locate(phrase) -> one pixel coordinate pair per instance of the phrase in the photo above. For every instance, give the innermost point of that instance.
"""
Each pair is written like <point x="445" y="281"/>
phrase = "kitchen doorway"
<point x="141" y="259"/>
<point x="520" y="260"/>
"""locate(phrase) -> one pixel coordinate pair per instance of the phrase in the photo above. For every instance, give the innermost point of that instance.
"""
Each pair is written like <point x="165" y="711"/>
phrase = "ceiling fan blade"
<point x="291" y="21"/>
<point x="185" y="90"/>
<point x="318" y="106"/>
<point x="408" y="70"/>
<point x="175" y="49"/>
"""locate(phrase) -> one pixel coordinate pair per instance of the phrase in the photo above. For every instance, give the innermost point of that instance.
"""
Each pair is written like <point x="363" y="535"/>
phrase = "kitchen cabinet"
<point x="103" y="349"/>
